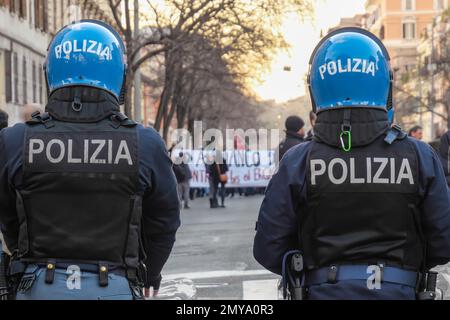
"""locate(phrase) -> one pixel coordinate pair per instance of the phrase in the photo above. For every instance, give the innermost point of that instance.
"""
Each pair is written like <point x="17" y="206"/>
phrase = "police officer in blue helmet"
<point x="362" y="211"/>
<point x="88" y="199"/>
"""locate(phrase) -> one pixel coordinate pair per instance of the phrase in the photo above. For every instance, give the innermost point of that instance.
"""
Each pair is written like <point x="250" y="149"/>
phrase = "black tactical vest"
<point x="79" y="200"/>
<point x="362" y="206"/>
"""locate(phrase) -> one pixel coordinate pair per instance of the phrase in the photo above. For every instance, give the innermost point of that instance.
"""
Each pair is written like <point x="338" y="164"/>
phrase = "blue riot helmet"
<point x="87" y="53"/>
<point x="350" y="68"/>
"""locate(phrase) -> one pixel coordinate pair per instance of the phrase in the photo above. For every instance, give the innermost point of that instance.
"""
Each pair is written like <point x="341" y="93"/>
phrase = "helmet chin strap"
<point x="346" y="130"/>
<point x="47" y="86"/>
<point x="123" y="91"/>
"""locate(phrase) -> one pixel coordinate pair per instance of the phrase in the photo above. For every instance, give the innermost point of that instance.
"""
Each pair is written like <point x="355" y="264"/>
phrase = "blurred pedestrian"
<point x="184" y="176"/>
<point x="295" y="134"/>
<point x="444" y="155"/>
<point x="416" y="132"/>
<point x="3" y="119"/>
<point x="28" y="110"/>
<point x="217" y="170"/>
<point x="222" y="169"/>
<point x="312" y="120"/>
<point x="213" y="184"/>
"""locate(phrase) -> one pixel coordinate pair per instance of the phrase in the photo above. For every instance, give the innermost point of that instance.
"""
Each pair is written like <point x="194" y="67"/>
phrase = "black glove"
<point x="153" y="281"/>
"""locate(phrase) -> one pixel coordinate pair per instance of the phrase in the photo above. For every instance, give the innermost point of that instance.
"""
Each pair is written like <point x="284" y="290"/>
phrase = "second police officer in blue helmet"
<point x="88" y="199"/>
<point x="367" y="207"/>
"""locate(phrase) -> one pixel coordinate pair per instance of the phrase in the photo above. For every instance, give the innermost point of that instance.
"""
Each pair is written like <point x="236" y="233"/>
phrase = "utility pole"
<point x="137" y="75"/>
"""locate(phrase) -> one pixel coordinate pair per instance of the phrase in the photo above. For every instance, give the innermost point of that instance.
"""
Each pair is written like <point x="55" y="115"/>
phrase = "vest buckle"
<point x="332" y="274"/>
<point x="35" y="115"/>
<point x="393" y="134"/>
<point x="103" y="274"/>
<point x="47" y="120"/>
<point x="26" y="282"/>
<point x="50" y="271"/>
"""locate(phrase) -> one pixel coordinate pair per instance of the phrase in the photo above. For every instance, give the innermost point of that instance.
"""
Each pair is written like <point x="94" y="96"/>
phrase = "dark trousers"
<point x="222" y="192"/>
<point x="213" y="189"/>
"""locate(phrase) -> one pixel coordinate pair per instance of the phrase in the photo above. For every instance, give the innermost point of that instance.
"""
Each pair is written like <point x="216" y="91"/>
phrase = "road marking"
<point x="217" y="274"/>
<point x="211" y="285"/>
<point x="260" y="289"/>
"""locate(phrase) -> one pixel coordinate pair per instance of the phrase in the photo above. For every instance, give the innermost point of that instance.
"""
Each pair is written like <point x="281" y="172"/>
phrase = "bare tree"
<point x="243" y="35"/>
<point x="157" y="43"/>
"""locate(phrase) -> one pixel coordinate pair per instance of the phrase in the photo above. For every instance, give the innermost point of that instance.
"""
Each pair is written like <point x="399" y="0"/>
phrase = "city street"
<point x="214" y="249"/>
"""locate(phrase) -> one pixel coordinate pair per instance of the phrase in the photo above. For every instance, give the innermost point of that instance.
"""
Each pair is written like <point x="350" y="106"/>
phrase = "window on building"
<point x="33" y="79"/>
<point x="440" y="4"/>
<point x="55" y="13"/>
<point x="8" y="77"/>
<point x="18" y="7"/>
<point x="41" y="87"/>
<point x="41" y="14"/>
<point x="408" y="5"/>
<point x="409" y="29"/>
<point x="24" y="80"/>
<point x="62" y="13"/>
<point x="12" y="5"/>
<point x="16" y="77"/>
<point x="45" y="10"/>
<point x="22" y="8"/>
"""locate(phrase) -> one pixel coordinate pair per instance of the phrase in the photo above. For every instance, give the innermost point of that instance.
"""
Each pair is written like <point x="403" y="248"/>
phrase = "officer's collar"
<point x="366" y="126"/>
<point x="81" y="104"/>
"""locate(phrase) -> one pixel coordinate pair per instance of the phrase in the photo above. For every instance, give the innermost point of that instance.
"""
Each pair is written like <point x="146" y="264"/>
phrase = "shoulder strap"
<point x="41" y="118"/>
<point x="118" y="119"/>
<point x="393" y="134"/>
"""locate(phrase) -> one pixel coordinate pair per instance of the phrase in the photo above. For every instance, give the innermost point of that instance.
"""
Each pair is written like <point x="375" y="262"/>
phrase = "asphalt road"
<point x="214" y="250"/>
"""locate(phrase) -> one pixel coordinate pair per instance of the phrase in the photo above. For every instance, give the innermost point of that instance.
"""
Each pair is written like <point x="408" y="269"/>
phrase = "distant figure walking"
<point x="184" y="176"/>
<point x="217" y="175"/>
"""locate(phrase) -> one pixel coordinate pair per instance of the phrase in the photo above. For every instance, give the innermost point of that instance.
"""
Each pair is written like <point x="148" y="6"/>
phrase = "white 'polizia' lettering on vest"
<point x="65" y="49"/>
<point x="354" y="65"/>
<point x="58" y="151"/>
<point x="378" y="171"/>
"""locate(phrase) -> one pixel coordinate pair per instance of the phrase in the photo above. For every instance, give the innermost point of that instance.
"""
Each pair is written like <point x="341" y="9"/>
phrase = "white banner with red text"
<point x="245" y="168"/>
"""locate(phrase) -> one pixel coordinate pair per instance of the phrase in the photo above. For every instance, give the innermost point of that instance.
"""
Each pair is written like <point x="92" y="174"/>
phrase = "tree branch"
<point x="114" y="7"/>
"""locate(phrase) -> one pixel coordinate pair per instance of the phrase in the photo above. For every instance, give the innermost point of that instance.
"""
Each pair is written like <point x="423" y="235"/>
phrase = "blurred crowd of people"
<point x="217" y="190"/>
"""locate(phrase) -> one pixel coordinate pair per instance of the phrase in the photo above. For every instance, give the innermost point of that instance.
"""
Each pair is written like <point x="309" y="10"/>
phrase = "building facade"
<point x="403" y="25"/>
<point x="26" y="29"/>
<point x="399" y="23"/>
<point x="433" y="75"/>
